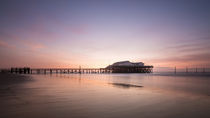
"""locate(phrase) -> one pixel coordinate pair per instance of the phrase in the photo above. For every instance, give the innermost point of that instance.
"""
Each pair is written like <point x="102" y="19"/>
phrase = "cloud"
<point x="10" y="40"/>
<point x="192" y="45"/>
<point x="185" y="53"/>
<point x="6" y="44"/>
<point x="197" y="59"/>
<point x="32" y="45"/>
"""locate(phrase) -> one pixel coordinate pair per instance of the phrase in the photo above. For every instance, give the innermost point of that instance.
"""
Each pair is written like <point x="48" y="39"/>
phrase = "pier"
<point x="146" y="69"/>
<point x="27" y="70"/>
<point x="118" y="67"/>
<point x="134" y="69"/>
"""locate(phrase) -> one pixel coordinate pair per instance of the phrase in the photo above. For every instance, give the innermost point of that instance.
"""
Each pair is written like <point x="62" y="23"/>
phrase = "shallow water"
<point x="106" y="95"/>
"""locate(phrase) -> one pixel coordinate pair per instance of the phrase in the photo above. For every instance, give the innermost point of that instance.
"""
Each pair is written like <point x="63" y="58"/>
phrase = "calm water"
<point x="106" y="95"/>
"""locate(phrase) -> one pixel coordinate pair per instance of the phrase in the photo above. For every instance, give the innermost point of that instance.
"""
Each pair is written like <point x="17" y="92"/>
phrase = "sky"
<point x="96" y="33"/>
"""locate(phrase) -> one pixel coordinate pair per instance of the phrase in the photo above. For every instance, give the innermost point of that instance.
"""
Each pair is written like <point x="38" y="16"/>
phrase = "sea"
<point x="154" y="95"/>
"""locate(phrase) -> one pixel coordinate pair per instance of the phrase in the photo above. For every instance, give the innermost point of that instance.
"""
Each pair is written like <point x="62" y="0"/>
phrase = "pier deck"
<point x="27" y="70"/>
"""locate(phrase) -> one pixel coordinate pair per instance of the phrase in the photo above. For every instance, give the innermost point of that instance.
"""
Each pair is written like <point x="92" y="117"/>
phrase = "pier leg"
<point x="16" y="70"/>
<point x="38" y="71"/>
<point x="12" y="70"/>
<point x="186" y="69"/>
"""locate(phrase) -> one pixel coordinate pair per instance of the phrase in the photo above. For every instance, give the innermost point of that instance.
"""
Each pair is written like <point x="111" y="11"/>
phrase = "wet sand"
<point x="104" y="95"/>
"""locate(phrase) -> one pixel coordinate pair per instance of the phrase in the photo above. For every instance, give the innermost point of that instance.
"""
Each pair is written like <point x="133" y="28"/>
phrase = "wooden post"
<point x="175" y="70"/>
<point x="12" y="70"/>
<point x="16" y="70"/>
<point x="203" y="70"/>
<point x="38" y="71"/>
<point x="186" y="69"/>
<point x="24" y="70"/>
<point x="79" y="69"/>
<point x="29" y="70"/>
<point x="45" y="71"/>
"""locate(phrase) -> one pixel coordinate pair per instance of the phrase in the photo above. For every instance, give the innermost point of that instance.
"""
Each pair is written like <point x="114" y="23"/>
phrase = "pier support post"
<point x="38" y="71"/>
<point x="203" y="70"/>
<point x="12" y="70"/>
<point x="186" y="69"/>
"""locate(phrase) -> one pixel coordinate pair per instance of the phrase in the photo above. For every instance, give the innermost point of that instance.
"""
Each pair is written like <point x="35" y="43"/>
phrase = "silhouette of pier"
<point x="27" y="70"/>
<point x="192" y="70"/>
<point x="146" y="69"/>
<point x="59" y="70"/>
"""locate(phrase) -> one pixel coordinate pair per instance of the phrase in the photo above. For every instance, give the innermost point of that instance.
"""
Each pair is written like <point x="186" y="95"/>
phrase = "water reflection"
<point x="107" y="95"/>
<point x="124" y="85"/>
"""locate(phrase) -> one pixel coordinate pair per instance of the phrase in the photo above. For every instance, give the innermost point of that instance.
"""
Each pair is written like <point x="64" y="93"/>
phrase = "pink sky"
<point x="96" y="34"/>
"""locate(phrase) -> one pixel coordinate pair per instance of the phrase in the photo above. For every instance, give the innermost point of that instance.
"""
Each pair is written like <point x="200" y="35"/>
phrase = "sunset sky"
<point x="96" y="33"/>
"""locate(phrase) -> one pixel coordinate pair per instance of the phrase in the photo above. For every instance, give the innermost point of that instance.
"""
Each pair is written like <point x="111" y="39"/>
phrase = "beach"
<point x="104" y="95"/>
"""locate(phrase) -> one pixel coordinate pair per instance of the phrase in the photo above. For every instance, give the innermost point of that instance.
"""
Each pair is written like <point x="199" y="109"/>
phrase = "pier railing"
<point x="191" y="70"/>
<point x="27" y="70"/>
<point x="59" y="70"/>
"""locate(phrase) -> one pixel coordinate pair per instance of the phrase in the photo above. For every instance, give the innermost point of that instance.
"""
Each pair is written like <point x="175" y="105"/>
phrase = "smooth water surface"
<point x="105" y="95"/>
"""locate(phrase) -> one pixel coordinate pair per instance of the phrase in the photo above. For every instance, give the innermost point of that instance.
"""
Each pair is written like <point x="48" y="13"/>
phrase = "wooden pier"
<point x="59" y="70"/>
<point x="131" y="69"/>
<point x="146" y="69"/>
<point x="27" y="70"/>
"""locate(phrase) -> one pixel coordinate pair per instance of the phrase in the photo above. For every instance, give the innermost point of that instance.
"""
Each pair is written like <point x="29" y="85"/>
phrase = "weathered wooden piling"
<point x="203" y="70"/>
<point x="24" y="70"/>
<point x="186" y="69"/>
